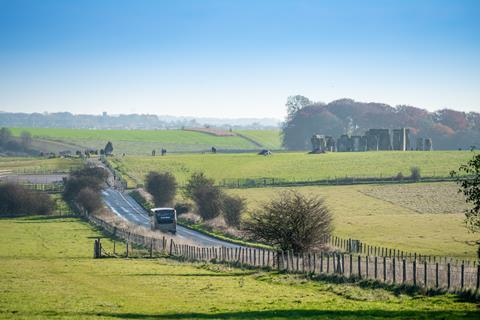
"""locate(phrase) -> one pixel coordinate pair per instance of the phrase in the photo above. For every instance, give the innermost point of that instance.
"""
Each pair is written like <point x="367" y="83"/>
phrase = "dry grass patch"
<point x="422" y="198"/>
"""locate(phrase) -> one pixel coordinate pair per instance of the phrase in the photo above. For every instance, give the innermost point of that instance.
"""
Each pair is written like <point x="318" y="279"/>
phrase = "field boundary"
<point x="388" y="270"/>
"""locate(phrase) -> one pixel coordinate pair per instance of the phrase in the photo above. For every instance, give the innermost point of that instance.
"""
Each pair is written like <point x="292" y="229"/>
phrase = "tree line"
<point x="449" y="129"/>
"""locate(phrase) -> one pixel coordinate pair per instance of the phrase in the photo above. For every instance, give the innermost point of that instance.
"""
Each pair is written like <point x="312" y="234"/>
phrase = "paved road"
<point x="127" y="208"/>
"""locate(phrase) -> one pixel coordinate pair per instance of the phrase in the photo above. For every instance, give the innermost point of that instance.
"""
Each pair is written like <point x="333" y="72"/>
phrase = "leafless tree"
<point x="291" y="222"/>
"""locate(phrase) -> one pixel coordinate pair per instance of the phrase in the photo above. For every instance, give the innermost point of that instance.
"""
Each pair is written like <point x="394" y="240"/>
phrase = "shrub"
<point x="291" y="222"/>
<point x="399" y="176"/>
<point x="162" y="187"/>
<point x="18" y="200"/>
<point x="183" y="207"/>
<point x="415" y="173"/>
<point x="89" y="199"/>
<point x="92" y="178"/>
<point x="233" y="206"/>
<point x="207" y="197"/>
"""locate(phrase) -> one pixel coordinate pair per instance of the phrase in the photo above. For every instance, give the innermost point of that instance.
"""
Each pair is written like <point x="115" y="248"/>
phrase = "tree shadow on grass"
<point x="304" y="314"/>
<point x="230" y="274"/>
<point x="43" y="219"/>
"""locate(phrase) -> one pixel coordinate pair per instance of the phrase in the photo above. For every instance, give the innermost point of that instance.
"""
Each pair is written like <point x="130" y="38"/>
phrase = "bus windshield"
<point x="165" y="216"/>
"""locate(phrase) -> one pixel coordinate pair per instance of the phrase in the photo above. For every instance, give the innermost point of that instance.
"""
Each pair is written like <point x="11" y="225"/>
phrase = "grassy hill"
<point x="295" y="166"/>
<point x="269" y="139"/>
<point x="143" y="141"/>
<point x="48" y="272"/>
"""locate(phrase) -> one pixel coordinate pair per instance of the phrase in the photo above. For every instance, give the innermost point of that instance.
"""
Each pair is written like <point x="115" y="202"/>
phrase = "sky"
<point x="229" y="58"/>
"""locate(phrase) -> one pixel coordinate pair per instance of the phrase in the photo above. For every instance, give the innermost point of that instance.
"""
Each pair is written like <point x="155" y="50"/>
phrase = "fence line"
<point x="282" y="182"/>
<point x="390" y="270"/>
<point x="360" y="247"/>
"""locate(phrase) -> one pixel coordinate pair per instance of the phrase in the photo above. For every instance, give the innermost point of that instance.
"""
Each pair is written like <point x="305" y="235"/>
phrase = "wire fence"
<point x="389" y="270"/>
<point x="282" y="182"/>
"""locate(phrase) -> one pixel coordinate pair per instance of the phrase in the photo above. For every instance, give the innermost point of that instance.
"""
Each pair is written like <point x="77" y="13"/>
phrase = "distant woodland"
<point x="449" y="129"/>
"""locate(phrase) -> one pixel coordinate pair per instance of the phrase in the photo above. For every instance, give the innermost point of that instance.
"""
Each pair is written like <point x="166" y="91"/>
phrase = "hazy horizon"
<point x="236" y="59"/>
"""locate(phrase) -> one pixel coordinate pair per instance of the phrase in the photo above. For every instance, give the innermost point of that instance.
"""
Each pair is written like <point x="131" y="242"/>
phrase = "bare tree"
<point x="291" y="222"/>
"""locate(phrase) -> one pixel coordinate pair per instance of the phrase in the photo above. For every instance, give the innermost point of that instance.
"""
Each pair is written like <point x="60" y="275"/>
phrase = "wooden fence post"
<point x="425" y="270"/>
<point x="394" y="270"/>
<point x="126" y="249"/>
<point x="359" y="267"/>
<point x="375" y="268"/>
<point x="448" y="275"/>
<point x="384" y="269"/>
<point x="404" y="271"/>
<point x="366" y="267"/>
<point x="478" y="277"/>
<point x="436" y="274"/>
<point x="351" y="264"/>
<point x="414" y="272"/>
<point x="462" y="275"/>
<point x="328" y="262"/>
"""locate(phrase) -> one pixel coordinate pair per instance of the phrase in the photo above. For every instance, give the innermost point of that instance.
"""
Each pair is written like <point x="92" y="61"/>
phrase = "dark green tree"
<point x="108" y="148"/>
<point x="206" y="195"/>
<point x="468" y="178"/>
<point x="162" y="187"/>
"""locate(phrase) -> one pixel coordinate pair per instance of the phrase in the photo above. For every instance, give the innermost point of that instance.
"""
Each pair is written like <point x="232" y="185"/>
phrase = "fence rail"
<point x="282" y="182"/>
<point x="390" y="270"/>
<point x="360" y="247"/>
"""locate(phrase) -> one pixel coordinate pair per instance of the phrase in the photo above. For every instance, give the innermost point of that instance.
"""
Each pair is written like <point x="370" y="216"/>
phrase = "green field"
<point x="387" y="223"/>
<point x="295" y="166"/>
<point x="269" y="139"/>
<point x="48" y="272"/>
<point x="143" y="141"/>
<point x="38" y="165"/>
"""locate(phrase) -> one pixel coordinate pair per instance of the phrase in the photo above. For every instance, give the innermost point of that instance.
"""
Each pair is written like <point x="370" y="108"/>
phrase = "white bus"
<point x="164" y="219"/>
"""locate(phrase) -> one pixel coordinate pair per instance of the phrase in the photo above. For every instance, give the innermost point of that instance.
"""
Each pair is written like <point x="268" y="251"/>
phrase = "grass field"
<point x="394" y="224"/>
<point x="143" y="141"/>
<point x="269" y="139"/>
<point x="295" y="166"/>
<point x="48" y="272"/>
<point x="27" y="165"/>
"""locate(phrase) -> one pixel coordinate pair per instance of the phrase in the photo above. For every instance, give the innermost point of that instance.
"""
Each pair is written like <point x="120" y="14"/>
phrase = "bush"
<point x="162" y="187"/>
<point x="291" y="222"/>
<point x="233" y="206"/>
<point x="399" y="176"/>
<point x="415" y="173"/>
<point x="183" y="207"/>
<point x="207" y="197"/>
<point x="89" y="199"/>
<point x="18" y="200"/>
<point x="92" y="178"/>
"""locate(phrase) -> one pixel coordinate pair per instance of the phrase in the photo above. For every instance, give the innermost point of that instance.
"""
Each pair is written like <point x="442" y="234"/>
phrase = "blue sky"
<point x="236" y="58"/>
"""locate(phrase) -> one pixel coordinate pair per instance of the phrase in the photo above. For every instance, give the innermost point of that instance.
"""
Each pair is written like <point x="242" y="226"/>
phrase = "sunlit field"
<point x="48" y="272"/>
<point x="295" y="166"/>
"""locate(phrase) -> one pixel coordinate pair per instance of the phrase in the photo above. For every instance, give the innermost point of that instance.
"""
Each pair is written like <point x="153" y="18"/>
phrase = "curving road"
<point x="127" y="208"/>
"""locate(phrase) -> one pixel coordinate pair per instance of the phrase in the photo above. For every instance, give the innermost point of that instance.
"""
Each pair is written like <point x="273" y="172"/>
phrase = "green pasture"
<point x="142" y="141"/>
<point x="295" y="166"/>
<point x="384" y="223"/>
<point x="48" y="272"/>
<point x="269" y="139"/>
